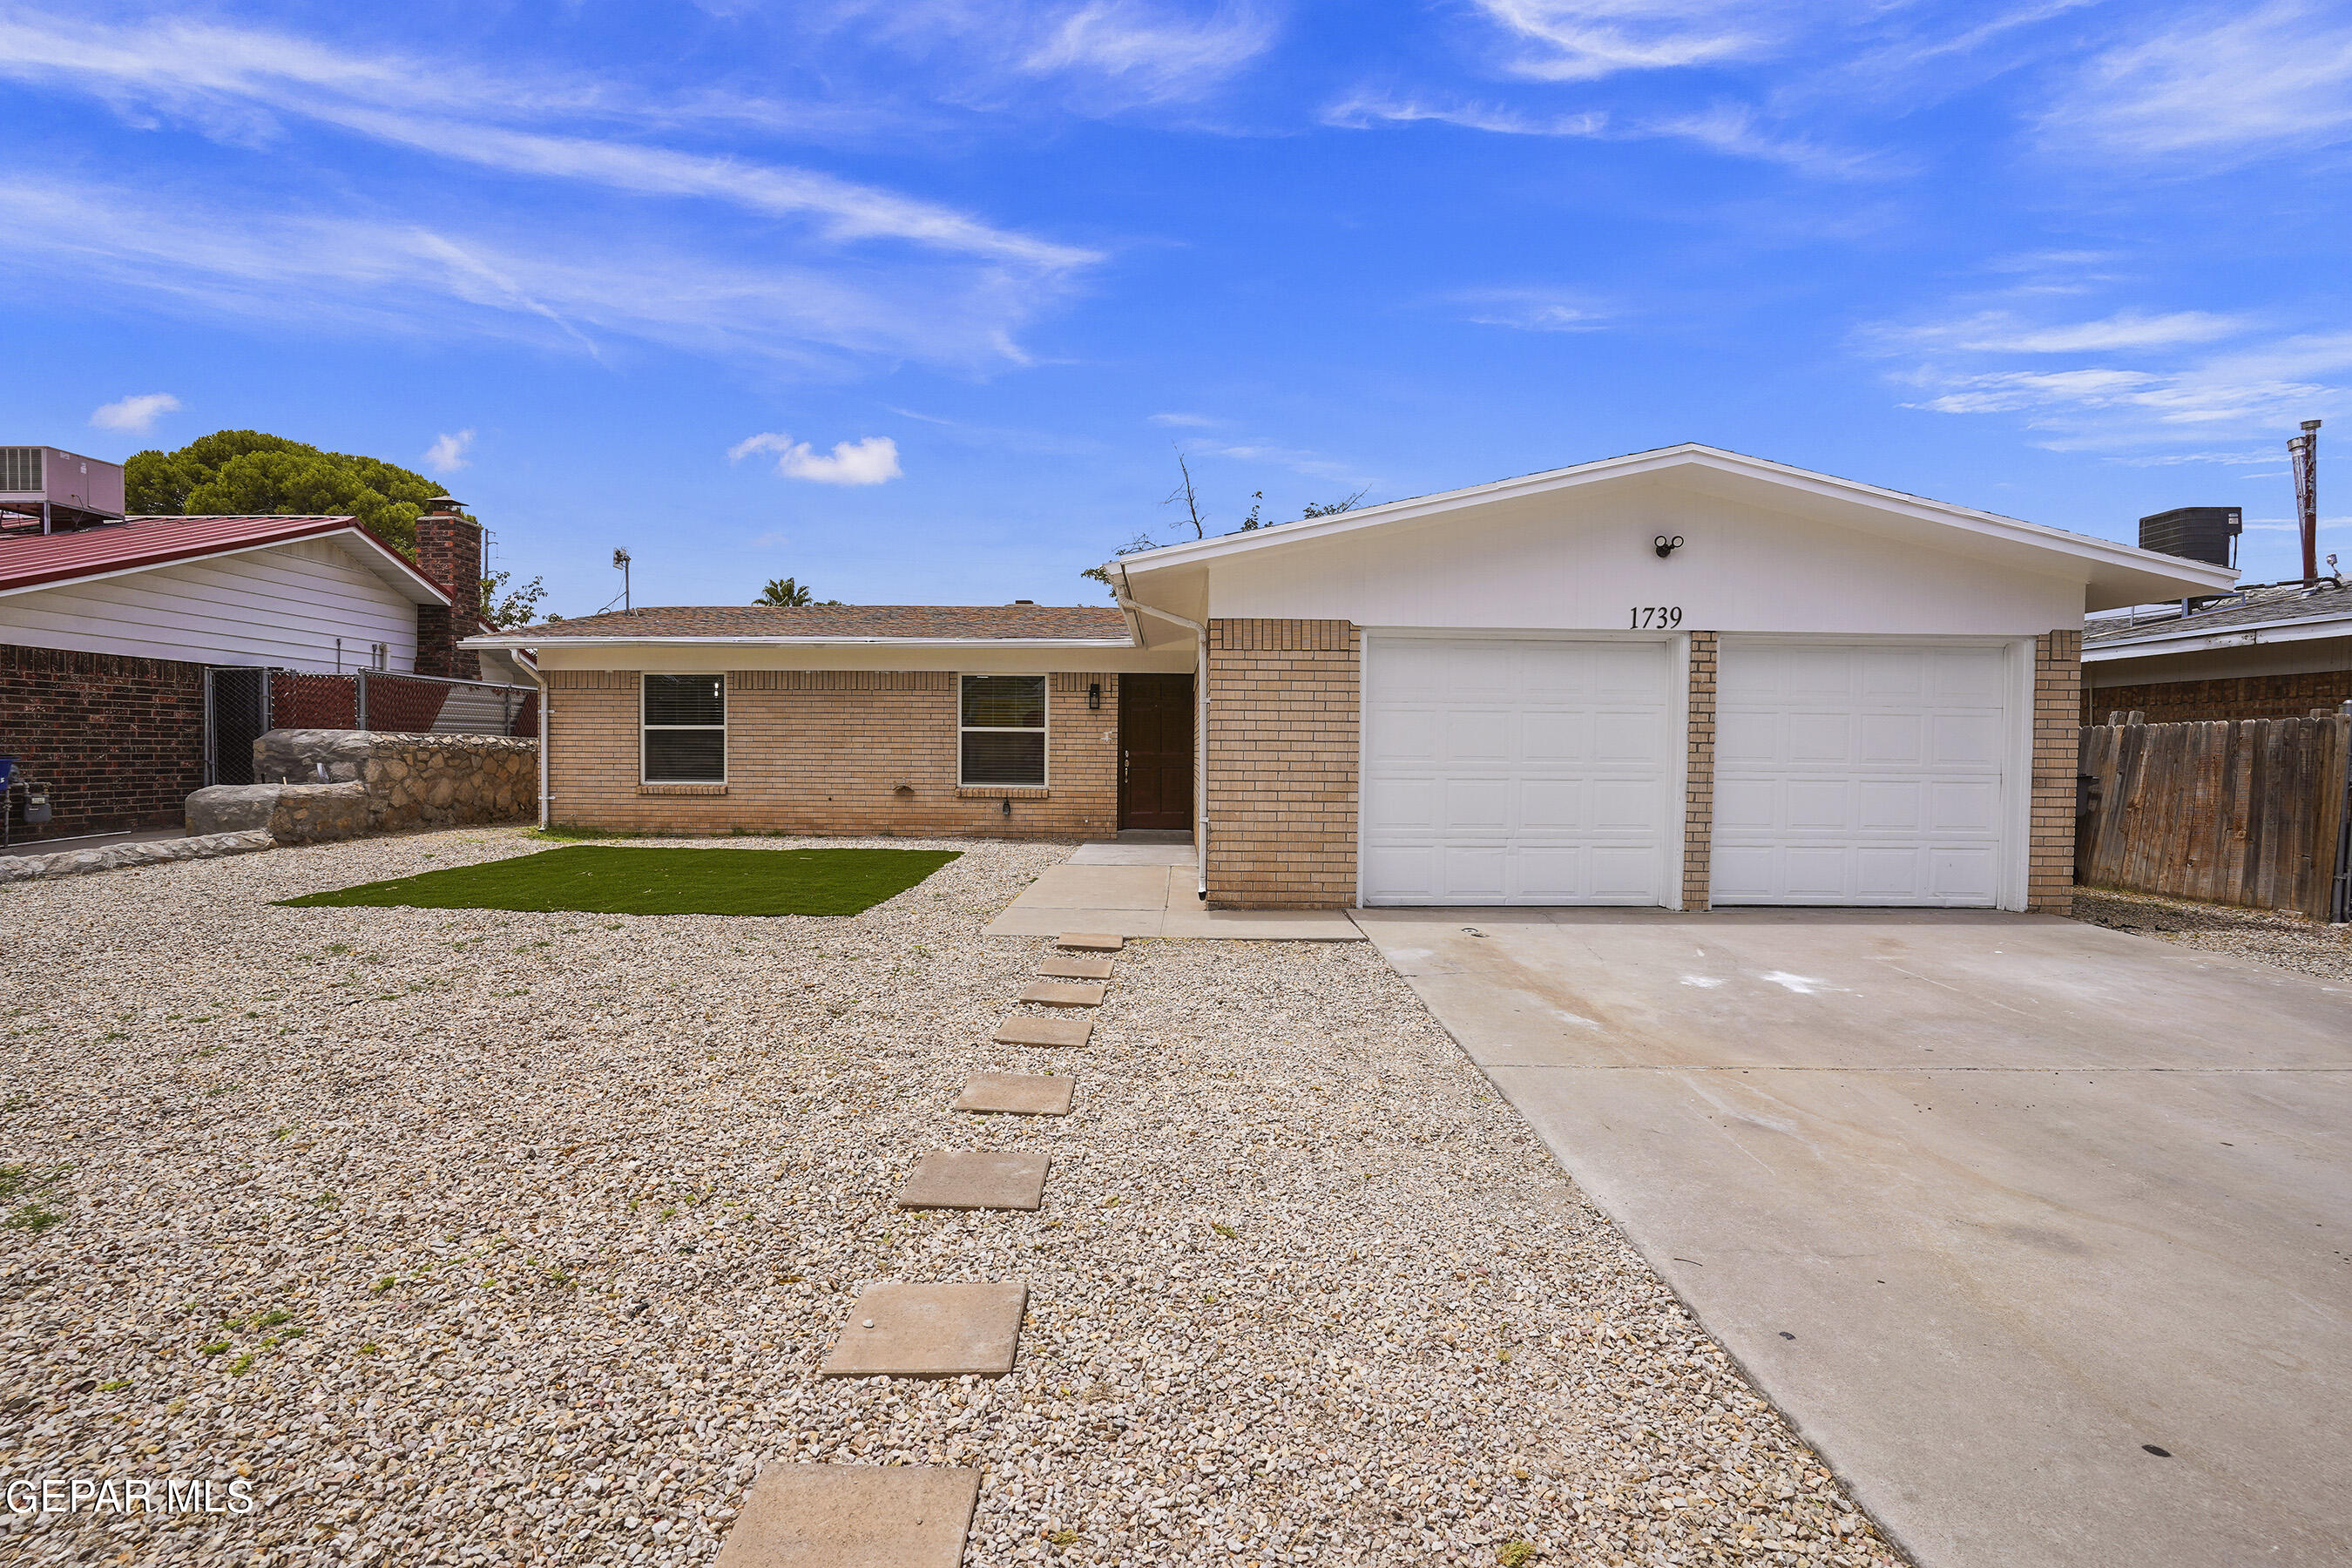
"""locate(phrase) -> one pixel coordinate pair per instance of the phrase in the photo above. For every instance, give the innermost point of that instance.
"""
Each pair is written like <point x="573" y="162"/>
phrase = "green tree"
<point x="253" y="473"/>
<point x="789" y="595"/>
<point x="519" y="608"/>
<point x="1192" y="514"/>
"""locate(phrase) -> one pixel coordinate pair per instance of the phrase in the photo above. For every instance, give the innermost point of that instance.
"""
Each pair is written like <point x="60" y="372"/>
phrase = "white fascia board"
<point x="550" y="643"/>
<point x="2314" y="629"/>
<point x="1990" y="525"/>
<point x="409" y="579"/>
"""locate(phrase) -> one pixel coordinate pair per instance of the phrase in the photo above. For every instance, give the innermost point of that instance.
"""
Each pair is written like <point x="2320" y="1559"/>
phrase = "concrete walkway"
<point x="1995" y="1207"/>
<point x="1150" y="890"/>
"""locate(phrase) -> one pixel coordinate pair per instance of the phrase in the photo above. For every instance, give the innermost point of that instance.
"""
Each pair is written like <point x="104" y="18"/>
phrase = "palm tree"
<point x="785" y="591"/>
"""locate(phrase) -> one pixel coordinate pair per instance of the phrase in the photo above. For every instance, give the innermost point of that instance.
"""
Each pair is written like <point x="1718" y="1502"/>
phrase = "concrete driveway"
<point x="1993" y="1206"/>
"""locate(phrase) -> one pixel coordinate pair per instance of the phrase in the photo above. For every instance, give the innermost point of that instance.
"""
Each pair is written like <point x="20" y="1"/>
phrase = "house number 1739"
<point x="1655" y="617"/>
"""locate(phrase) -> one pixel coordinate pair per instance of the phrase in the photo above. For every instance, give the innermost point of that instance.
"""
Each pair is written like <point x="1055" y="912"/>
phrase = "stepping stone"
<point x="1018" y="1093"/>
<point x="1076" y="968"/>
<point x="1091" y="942"/>
<point x="853" y="1516"/>
<point x="975" y="1179"/>
<point x="1047" y="993"/>
<point x="930" y="1331"/>
<point x="1023" y="1030"/>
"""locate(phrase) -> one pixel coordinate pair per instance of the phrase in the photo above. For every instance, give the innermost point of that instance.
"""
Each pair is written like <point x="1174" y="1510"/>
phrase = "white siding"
<point x="1584" y="562"/>
<point x="284" y="605"/>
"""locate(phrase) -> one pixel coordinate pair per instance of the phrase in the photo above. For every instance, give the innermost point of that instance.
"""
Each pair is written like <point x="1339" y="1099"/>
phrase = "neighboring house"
<point x="1676" y="678"/>
<point x="2273" y="652"/>
<point x="107" y="633"/>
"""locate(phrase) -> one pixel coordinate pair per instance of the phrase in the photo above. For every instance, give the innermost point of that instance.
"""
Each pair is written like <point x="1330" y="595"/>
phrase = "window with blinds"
<point x="1001" y="737"/>
<point x="685" y="728"/>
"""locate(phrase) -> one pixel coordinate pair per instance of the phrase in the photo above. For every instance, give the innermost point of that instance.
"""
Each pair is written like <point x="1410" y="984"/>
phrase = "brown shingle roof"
<point x="2253" y="608"/>
<point x="975" y="621"/>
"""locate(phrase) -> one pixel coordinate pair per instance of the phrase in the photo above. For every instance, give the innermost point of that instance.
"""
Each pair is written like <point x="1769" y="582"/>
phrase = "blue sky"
<point x="918" y="301"/>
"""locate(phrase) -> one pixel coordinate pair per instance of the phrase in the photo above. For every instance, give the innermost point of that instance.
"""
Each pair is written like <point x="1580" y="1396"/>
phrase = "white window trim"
<point x="726" y="709"/>
<point x="1045" y="779"/>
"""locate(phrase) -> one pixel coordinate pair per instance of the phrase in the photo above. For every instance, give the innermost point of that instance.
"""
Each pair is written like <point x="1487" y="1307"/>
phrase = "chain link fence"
<point x="241" y="701"/>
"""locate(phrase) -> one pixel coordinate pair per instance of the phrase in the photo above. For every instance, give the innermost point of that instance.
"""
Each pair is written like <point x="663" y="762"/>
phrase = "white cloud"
<point x="2244" y="82"/>
<point x="2102" y="406"/>
<point x="1149" y="54"/>
<point x="1298" y="460"/>
<point x="2000" y="332"/>
<point x="135" y="416"/>
<point x="207" y="71"/>
<point x="366" y="275"/>
<point x="2173" y="459"/>
<point x="1535" y="311"/>
<point x="1185" y="421"/>
<point x="1367" y="111"/>
<point x="1583" y="40"/>
<point x="871" y="461"/>
<point x="1731" y="130"/>
<point x="1087" y="57"/>
<point x="447" y="453"/>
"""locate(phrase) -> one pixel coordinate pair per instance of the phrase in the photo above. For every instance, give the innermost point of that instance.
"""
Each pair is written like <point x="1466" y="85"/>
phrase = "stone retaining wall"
<point x="289" y="814"/>
<point x="412" y="780"/>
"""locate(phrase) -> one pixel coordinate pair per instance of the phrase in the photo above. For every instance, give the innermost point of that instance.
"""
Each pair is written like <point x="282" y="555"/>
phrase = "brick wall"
<point x="1698" y="803"/>
<point x="2239" y="697"/>
<point x="1283" y="720"/>
<point x="825" y="752"/>
<point x="120" y="741"/>
<point x="2057" y="753"/>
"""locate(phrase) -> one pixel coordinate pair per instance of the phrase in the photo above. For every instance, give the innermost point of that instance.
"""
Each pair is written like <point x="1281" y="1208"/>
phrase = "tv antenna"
<point x="621" y="564"/>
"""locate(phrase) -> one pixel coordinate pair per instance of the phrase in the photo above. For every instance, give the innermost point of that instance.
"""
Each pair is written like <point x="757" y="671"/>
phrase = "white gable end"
<point x="1585" y="560"/>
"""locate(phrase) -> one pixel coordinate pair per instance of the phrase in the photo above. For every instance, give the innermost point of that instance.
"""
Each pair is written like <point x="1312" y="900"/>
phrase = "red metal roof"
<point x="33" y="560"/>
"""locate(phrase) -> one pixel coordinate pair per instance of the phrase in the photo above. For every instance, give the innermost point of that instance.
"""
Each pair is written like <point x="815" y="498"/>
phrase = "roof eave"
<point x="2239" y="633"/>
<point x="2105" y="553"/>
<point x="556" y="642"/>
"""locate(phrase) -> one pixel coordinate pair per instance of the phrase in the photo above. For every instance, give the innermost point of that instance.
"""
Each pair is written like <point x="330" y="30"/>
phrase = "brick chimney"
<point x="449" y="550"/>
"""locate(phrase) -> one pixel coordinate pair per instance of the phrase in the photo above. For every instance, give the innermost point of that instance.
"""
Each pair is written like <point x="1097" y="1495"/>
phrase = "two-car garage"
<point x="1681" y="678"/>
<point x="1553" y="770"/>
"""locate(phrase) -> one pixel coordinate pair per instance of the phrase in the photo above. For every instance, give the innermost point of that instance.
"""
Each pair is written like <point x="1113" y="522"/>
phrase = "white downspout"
<point x="1199" y="723"/>
<point x="544" y="701"/>
<point x="532" y="670"/>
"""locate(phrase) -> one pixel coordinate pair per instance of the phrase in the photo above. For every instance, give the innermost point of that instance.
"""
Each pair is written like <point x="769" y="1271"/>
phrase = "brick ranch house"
<point x="1680" y="679"/>
<point x="2275" y="652"/>
<point x="109" y="635"/>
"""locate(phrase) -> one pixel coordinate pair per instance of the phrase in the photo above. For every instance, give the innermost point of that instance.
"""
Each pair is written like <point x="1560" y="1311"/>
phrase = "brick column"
<point x="2057" y="759"/>
<point x="1698" y="801"/>
<point x="1282" y="749"/>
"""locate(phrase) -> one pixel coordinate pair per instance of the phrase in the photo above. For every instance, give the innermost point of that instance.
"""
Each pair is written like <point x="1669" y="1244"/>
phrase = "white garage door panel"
<point x="1525" y="772"/>
<point x="1860" y="775"/>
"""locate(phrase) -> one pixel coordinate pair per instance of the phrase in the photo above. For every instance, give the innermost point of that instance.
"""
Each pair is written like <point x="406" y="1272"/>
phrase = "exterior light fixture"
<point x="1093" y="695"/>
<point x="1665" y="546"/>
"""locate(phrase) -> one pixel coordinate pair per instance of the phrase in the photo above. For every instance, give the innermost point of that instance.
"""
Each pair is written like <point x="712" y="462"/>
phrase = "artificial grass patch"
<point x="633" y="881"/>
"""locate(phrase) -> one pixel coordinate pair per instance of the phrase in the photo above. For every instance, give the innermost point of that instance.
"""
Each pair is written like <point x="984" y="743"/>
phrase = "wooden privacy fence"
<point x="2241" y="811"/>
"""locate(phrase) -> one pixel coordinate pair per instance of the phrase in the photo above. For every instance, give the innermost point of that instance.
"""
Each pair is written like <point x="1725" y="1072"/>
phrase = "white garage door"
<point x="1860" y="773"/>
<point x="1516" y="771"/>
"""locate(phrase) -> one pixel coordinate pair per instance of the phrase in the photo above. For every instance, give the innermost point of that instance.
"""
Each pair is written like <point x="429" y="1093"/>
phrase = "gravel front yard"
<point x="494" y="1238"/>
<point x="2266" y="936"/>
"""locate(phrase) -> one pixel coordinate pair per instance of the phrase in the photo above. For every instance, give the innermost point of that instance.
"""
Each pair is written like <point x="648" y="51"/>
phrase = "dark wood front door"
<point x="1155" y="751"/>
